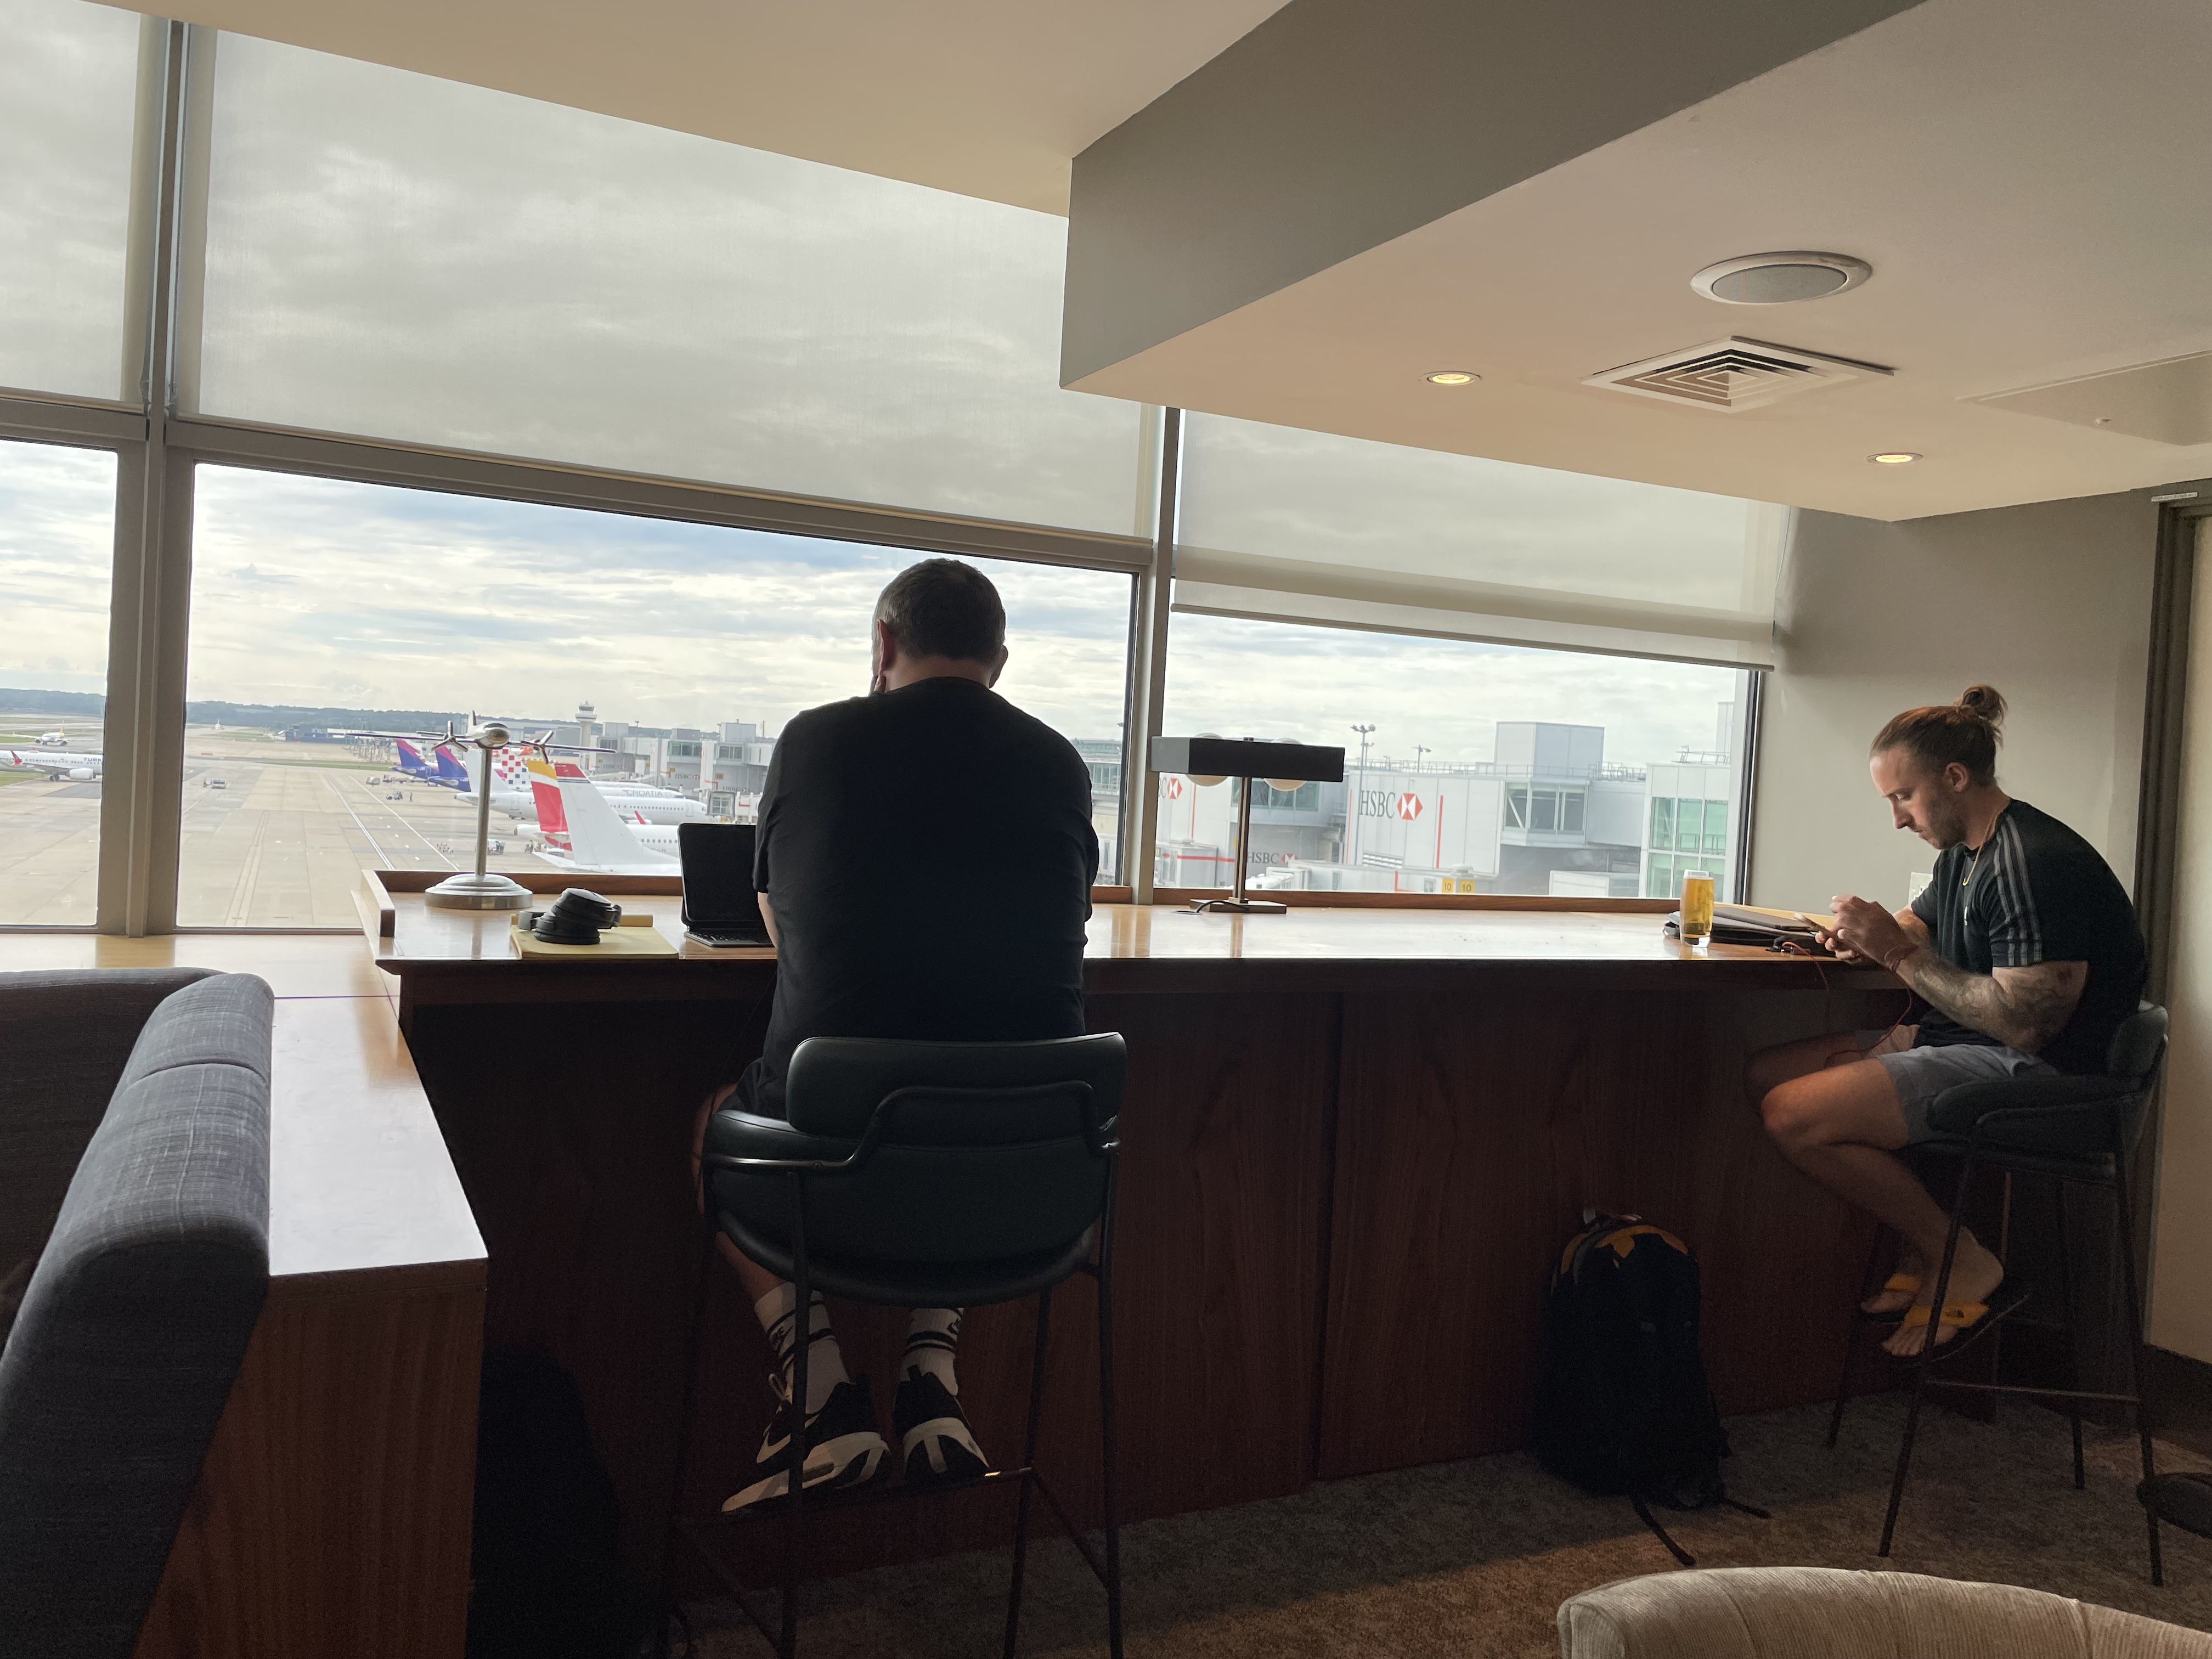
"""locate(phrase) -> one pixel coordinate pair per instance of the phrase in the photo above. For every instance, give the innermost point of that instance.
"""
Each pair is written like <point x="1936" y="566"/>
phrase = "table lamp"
<point x="1282" y="766"/>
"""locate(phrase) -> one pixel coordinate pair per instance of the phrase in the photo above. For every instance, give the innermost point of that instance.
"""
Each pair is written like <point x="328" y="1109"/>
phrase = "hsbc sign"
<point x="1389" y="804"/>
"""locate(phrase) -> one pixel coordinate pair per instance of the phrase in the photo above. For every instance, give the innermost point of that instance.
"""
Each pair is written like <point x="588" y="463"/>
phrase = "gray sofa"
<point x="134" y="1212"/>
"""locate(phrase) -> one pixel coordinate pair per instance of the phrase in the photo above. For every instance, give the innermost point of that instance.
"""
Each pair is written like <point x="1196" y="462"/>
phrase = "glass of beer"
<point x="1697" y="909"/>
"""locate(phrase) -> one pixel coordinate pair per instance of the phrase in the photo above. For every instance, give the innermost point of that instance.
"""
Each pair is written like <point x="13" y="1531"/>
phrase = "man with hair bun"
<point x="2023" y="956"/>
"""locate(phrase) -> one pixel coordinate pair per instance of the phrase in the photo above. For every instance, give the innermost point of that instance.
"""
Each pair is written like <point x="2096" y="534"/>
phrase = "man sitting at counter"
<point x="2023" y="956"/>
<point x="924" y="861"/>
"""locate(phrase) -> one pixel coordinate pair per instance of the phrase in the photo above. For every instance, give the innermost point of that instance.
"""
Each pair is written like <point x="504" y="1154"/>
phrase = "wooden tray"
<point x="624" y="941"/>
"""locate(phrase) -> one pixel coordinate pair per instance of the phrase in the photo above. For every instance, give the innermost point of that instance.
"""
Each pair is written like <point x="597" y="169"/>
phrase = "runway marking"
<point x="358" y="824"/>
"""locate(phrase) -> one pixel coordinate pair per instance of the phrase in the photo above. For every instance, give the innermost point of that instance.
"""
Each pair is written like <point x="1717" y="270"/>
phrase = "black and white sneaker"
<point x="842" y="1447"/>
<point x="934" y="1441"/>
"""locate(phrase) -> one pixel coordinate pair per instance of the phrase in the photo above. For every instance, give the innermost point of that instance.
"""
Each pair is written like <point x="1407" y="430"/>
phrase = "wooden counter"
<point x="332" y="1515"/>
<point x="1355" y="1140"/>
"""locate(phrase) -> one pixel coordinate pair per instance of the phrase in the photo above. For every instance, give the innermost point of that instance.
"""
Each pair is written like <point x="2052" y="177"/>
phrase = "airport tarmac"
<point x="275" y="835"/>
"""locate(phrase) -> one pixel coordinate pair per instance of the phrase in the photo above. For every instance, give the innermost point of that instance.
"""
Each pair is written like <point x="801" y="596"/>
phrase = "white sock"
<point x="825" y="1365"/>
<point x="932" y="1338"/>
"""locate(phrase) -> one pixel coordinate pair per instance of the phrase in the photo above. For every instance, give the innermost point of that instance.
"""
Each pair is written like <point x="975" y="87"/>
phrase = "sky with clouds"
<point x="404" y="258"/>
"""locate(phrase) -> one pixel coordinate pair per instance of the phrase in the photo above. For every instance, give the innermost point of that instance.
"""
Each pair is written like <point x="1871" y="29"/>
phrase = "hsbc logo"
<point x="1389" y="804"/>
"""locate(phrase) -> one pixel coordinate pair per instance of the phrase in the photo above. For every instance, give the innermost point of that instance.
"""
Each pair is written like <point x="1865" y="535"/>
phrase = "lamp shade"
<point x="1281" y="763"/>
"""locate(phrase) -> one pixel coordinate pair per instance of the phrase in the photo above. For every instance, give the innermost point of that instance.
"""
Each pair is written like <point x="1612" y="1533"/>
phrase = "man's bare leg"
<point x="757" y="1281"/>
<point x="1841" y="1125"/>
<point x="1769" y="1068"/>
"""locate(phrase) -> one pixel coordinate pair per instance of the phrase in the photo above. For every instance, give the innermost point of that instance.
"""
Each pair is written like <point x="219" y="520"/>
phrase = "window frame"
<point x="159" y="452"/>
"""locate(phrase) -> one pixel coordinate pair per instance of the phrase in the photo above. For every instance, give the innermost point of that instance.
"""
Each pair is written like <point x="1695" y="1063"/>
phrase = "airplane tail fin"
<point x="596" y="836"/>
<point x="450" y="769"/>
<point x="411" y="762"/>
<point x="567" y="769"/>
<point x="552" y="820"/>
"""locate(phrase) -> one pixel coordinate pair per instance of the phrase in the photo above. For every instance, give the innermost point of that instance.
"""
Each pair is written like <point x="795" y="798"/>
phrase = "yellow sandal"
<point x="1969" y="1319"/>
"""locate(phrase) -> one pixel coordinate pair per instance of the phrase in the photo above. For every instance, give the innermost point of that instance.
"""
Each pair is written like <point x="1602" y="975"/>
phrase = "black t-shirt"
<point x="2038" y="893"/>
<point x="928" y="854"/>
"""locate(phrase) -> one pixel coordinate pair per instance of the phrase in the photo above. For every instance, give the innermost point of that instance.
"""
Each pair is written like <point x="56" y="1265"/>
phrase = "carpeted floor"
<point x="1473" y="1558"/>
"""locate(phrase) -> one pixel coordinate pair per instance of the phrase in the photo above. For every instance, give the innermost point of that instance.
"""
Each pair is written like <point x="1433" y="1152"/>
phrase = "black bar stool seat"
<point x="2080" y="1130"/>
<point x="929" y="1174"/>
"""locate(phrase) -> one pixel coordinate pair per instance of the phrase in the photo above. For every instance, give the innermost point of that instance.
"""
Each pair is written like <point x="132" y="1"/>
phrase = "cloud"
<point x="68" y="91"/>
<point x="405" y="599"/>
<point x="57" y="559"/>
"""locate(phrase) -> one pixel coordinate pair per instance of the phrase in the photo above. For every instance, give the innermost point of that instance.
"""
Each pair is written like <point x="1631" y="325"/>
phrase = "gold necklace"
<point x="1978" y="851"/>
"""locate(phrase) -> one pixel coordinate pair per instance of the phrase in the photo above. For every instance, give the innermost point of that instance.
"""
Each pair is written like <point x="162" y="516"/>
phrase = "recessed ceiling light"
<point x="1894" y="458"/>
<point x="1780" y="279"/>
<point x="1453" y="377"/>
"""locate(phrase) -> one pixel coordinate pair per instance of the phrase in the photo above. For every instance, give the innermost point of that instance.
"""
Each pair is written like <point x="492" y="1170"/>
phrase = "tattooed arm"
<point x="2023" y="1008"/>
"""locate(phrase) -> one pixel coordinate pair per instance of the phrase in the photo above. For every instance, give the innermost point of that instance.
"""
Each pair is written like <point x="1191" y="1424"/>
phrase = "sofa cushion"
<point x="64" y="1040"/>
<point x="134" y="1325"/>
<point x="1827" y="1613"/>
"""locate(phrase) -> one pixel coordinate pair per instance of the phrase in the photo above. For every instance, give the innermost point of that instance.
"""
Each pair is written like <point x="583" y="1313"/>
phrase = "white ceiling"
<point x="2027" y="178"/>
<point x="989" y="98"/>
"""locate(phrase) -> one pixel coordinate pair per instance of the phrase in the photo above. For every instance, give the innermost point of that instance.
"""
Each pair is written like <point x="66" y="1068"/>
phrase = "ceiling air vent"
<point x="1732" y="374"/>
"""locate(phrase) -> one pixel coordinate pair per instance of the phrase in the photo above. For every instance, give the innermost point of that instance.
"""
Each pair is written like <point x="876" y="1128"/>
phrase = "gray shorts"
<point x="1919" y="1075"/>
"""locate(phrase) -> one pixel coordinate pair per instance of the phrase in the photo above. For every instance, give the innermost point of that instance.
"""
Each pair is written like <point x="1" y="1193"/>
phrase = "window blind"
<point x="1288" y="525"/>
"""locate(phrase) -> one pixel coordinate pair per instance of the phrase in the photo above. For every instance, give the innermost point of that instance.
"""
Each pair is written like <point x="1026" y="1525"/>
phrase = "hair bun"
<point x="1984" y="702"/>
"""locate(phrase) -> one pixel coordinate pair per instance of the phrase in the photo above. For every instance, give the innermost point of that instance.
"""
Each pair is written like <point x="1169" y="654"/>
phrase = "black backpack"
<point x="546" y="1565"/>
<point x="1624" y="1407"/>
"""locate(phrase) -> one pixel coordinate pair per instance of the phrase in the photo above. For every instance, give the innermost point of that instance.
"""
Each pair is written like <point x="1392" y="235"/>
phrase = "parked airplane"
<point x="54" y="763"/>
<point x="511" y="794"/>
<point x="583" y="834"/>
<point x="438" y="767"/>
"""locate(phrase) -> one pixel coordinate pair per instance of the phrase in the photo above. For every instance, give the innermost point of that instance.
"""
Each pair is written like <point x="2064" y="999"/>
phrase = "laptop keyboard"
<point x="724" y="940"/>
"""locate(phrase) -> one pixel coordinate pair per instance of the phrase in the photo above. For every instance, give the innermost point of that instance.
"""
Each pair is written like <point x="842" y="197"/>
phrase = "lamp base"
<point x="1240" y="907"/>
<point x="469" y="891"/>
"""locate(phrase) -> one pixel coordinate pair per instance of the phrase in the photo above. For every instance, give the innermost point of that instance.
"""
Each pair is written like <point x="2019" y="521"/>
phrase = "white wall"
<point x="2050" y="603"/>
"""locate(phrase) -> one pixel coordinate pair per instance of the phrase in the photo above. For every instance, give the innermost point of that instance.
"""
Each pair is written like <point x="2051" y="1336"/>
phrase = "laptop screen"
<point x="718" y="877"/>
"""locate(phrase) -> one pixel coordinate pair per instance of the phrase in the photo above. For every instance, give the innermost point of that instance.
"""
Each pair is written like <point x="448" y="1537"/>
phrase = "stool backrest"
<point x="2139" y="1043"/>
<point x="979" y="1151"/>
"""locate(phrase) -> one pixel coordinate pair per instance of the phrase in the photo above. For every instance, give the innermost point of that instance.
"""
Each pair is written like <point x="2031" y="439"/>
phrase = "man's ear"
<point x="1957" y="779"/>
<point x="997" y="668"/>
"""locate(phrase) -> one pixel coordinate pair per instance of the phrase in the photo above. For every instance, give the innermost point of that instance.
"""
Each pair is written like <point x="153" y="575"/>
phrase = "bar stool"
<point x="928" y="1174"/>
<point x="2080" y="1130"/>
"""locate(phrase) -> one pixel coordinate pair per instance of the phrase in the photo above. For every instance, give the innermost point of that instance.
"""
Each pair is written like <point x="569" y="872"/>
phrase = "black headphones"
<point x="576" y="918"/>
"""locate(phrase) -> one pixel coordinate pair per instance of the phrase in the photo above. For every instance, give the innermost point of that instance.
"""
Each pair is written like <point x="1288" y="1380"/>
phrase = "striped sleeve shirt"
<point x="2036" y="892"/>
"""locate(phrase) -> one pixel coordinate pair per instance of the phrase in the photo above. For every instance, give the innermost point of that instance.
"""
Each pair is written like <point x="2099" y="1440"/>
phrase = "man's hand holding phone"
<point x="1860" y="930"/>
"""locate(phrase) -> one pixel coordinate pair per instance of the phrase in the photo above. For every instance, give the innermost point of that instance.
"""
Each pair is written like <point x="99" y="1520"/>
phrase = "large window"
<point x="320" y="607"/>
<point x="1474" y="769"/>
<point x="409" y="257"/>
<point x="56" y="539"/>
<point x="67" y="79"/>
<point x="1539" y="676"/>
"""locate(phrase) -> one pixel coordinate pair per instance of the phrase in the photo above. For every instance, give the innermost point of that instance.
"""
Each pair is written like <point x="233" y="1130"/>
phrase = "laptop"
<point x="720" y="906"/>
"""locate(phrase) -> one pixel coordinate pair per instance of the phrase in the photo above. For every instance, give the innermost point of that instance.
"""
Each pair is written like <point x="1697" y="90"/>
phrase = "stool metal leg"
<point x="1927" y="1355"/>
<point x="2066" y="1317"/>
<point x="1029" y="1467"/>
<point x="2137" y="1369"/>
<point x="795" y="1480"/>
<point x="1106" y="1420"/>
<point x="1851" y="1340"/>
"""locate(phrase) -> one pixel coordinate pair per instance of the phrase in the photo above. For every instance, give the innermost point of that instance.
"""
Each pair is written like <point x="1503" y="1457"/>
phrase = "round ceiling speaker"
<point x="1780" y="279"/>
